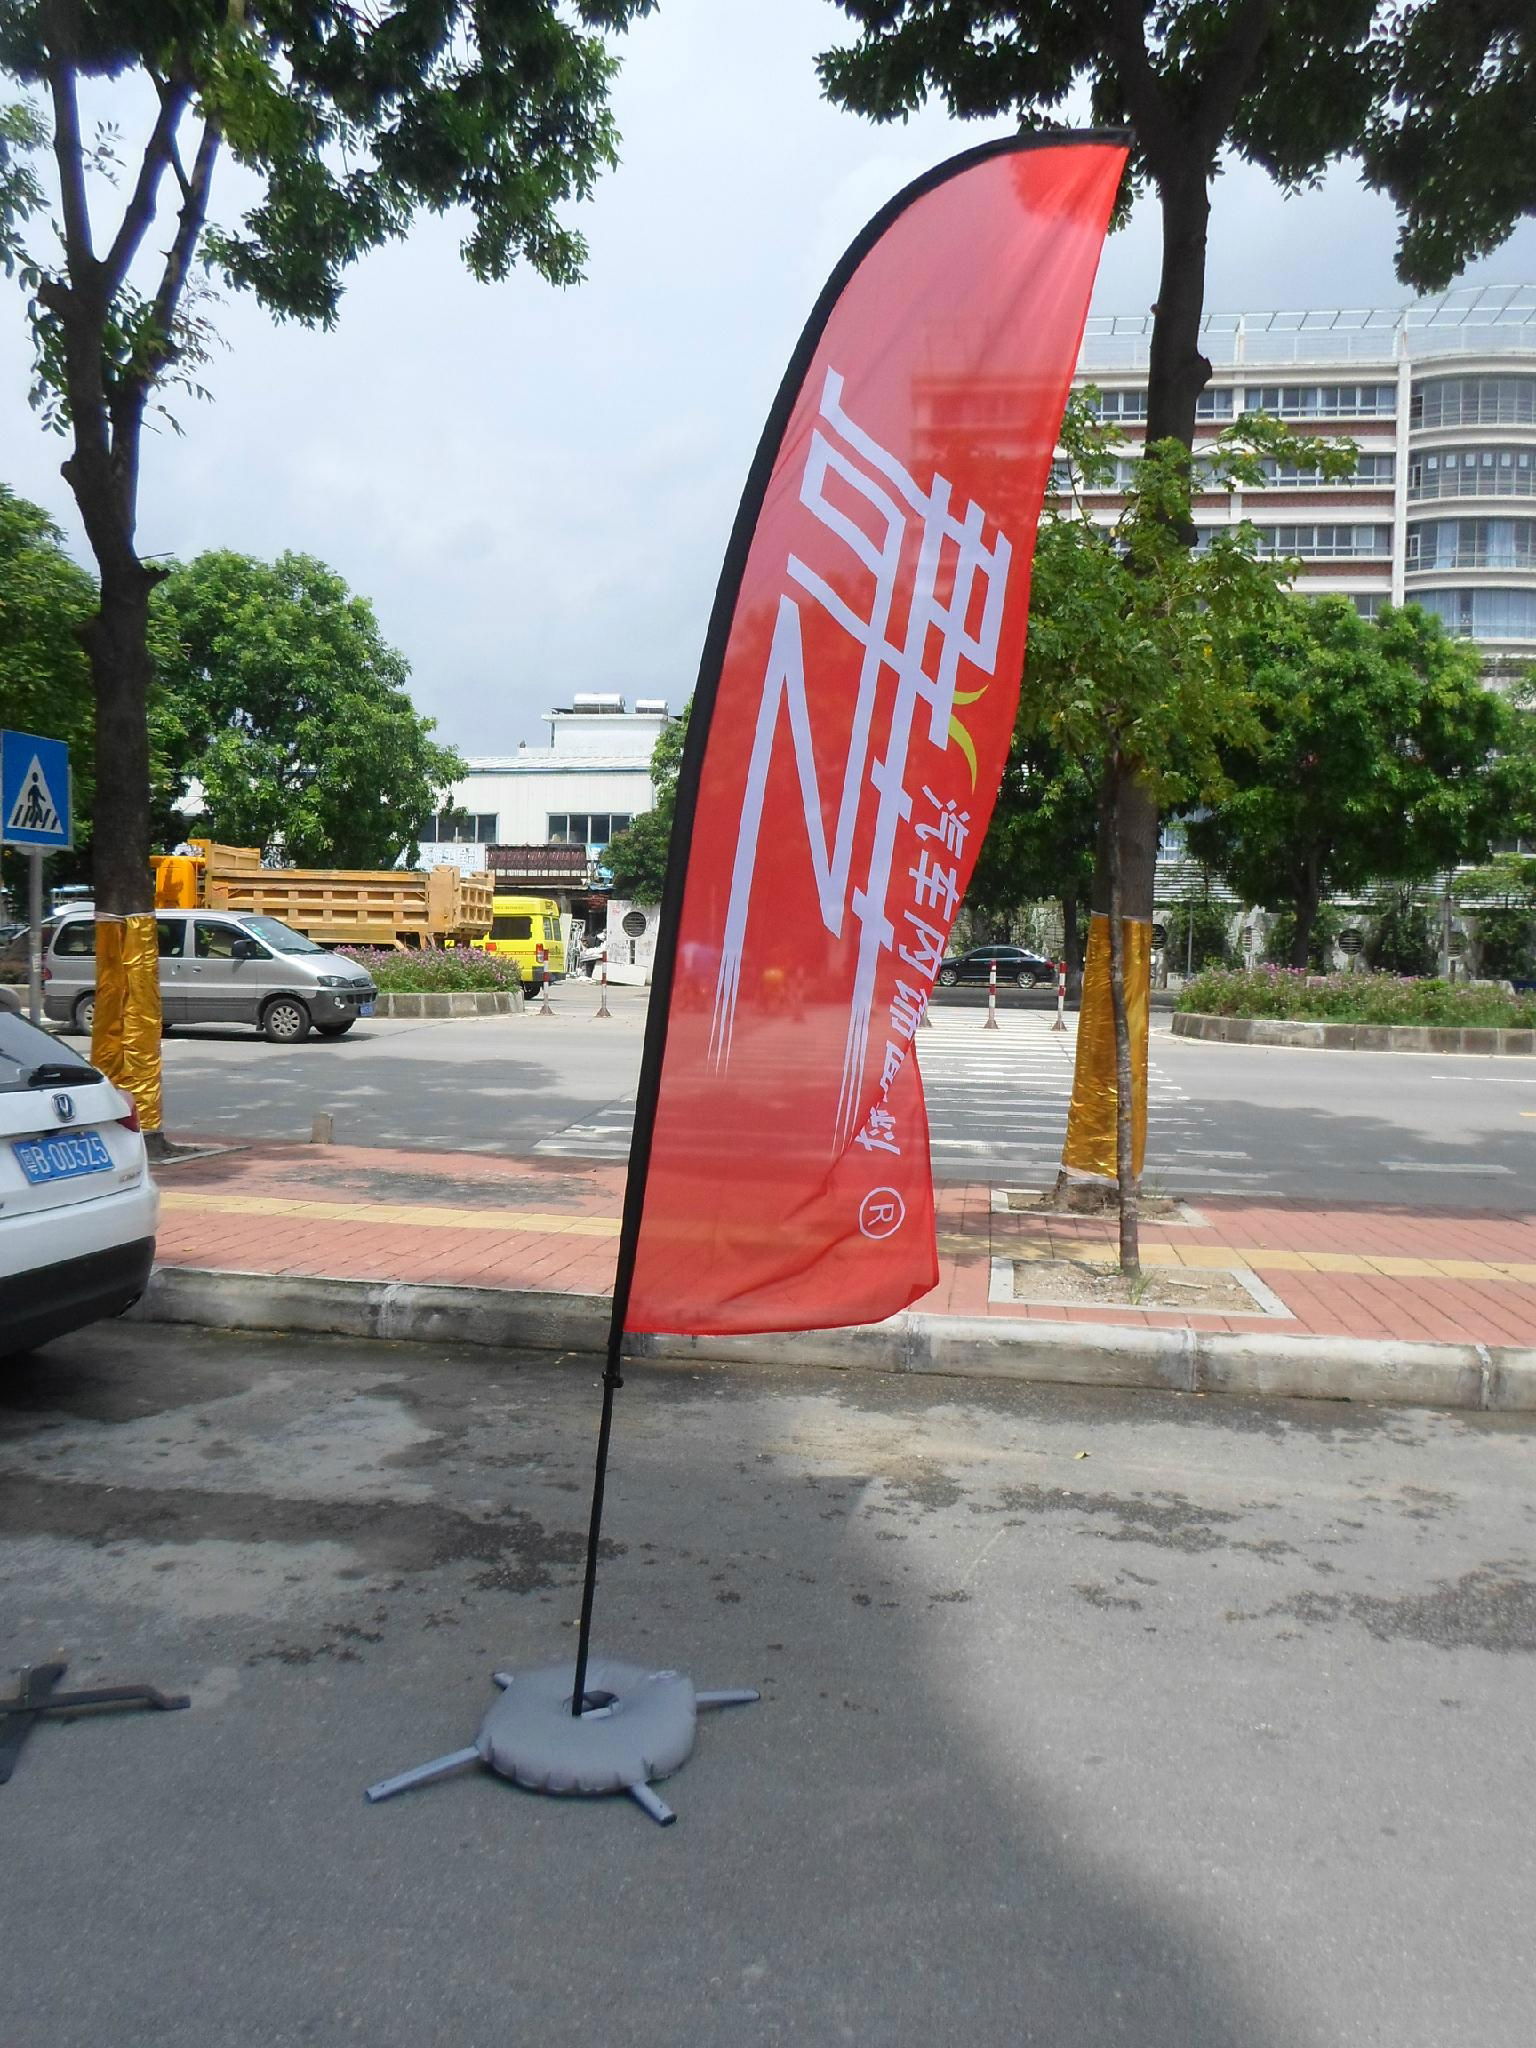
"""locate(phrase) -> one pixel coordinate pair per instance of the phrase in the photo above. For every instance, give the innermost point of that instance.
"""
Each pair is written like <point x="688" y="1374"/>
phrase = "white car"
<point x="77" y="1206"/>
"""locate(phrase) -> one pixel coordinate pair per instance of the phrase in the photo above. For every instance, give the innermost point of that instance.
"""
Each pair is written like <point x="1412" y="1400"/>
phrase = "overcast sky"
<point x="535" y="487"/>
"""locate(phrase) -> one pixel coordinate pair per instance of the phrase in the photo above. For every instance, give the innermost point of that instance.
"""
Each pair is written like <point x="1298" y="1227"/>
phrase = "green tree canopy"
<point x="1040" y="842"/>
<point x="45" y="680"/>
<point x="45" y="600"/>
<point x="1376" y="756"/>
<point x="1453" y="141"/>
<point x="637" y="858"/>
<point x="281" y="701"/>
<point x="348" y="122"/>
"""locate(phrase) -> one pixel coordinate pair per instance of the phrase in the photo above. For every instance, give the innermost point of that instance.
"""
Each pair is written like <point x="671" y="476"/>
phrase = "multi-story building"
<point x="585" y="786"/>
<point x="1439" y="398"/>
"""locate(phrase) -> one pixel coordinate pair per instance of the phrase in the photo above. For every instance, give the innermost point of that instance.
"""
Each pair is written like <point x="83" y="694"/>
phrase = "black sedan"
<point x="1013" y="963"/>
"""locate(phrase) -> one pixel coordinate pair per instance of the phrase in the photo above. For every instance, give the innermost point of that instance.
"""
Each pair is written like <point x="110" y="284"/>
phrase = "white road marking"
<point x="1442" y="1166"/>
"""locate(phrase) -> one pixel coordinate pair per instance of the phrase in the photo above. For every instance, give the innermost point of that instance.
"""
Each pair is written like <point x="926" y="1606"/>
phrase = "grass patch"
<point x="1353" y="998"/>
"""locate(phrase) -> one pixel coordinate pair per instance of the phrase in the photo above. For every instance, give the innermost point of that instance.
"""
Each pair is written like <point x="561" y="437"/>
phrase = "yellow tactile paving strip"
<point x="414" y="1215"/>
<point x="513" y="1222"/>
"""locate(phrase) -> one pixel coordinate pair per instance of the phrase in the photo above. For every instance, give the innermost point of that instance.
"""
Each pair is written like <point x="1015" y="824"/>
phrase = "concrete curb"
<point x="1318" y="1036"/>
<point x="476" y="1002"/>
<point x="1500" y="1378"/>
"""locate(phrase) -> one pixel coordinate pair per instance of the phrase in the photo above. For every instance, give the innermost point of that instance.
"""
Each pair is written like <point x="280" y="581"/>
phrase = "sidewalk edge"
<point x="1496" y="1378"/>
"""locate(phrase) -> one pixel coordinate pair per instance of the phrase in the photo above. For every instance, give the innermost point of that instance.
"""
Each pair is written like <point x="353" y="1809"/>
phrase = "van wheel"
<point x="85" y="1014"/>
<point x="285" y="1021"/>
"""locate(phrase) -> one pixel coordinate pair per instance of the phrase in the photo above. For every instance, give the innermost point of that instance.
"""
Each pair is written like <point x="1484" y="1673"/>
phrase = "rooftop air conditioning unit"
<point x="590" y="702"/>
<point x="652" y="707"/>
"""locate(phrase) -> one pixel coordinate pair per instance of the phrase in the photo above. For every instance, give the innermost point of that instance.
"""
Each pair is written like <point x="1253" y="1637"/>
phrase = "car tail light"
<point x="130" y="1122"/>
<point x="490" y="945"/>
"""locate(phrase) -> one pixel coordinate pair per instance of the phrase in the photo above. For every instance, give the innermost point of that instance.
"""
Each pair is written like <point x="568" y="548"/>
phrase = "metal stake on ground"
<point x="35" y="1696"/>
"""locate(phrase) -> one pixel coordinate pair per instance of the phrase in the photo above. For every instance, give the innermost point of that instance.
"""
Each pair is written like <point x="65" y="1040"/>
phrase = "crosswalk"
<point x="997" y="1106"/>
<point x="603" y="1134"/>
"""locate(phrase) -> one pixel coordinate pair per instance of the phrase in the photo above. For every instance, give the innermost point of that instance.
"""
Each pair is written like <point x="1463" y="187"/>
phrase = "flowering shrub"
<point x="432" y="970"/>
<point x="1351" y="998"/>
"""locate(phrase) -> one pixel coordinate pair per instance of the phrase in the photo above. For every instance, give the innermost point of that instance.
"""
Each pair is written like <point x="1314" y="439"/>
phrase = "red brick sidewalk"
<point x="450" y="1218"/>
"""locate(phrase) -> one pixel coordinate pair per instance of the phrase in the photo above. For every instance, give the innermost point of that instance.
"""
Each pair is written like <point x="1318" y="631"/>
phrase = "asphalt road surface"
<point x="1420" y="1130"/>
<point x="1218" y="1736"/>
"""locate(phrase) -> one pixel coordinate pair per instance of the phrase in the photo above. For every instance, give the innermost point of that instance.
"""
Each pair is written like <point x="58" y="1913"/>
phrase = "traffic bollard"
<point x="1061" y="996"/>
<point x="602" y="1009"/>
<point x="991" y="1023"/>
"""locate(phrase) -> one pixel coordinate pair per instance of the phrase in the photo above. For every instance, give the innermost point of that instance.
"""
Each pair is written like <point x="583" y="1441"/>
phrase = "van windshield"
<point x="282" y="938"/>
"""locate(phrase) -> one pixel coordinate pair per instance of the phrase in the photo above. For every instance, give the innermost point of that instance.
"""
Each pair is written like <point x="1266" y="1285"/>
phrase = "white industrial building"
<point x="592" y="778"/>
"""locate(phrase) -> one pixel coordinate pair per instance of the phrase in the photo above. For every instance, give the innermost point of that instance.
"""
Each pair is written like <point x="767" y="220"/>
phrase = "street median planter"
<point x="1318" y="1036"/>
<point x="464" y="1002"/>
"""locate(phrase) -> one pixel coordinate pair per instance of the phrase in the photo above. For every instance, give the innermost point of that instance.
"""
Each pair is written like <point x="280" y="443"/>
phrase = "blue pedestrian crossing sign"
<point x="34" y="792"/>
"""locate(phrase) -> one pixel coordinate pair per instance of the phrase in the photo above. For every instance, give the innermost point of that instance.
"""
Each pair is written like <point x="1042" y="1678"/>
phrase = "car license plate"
<point x="61" y="1157"/>
<point x="366" y="1009"/>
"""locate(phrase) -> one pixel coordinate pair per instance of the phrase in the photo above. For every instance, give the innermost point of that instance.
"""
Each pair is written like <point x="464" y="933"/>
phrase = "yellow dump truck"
<point x="335" y="906"/>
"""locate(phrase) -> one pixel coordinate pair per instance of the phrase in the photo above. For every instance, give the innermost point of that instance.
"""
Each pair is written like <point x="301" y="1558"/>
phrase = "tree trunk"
<point x="1116" y="838"/>
<point x="117" y="641"/>
<point x="1071" y="942"/>
<point x="1177" y="372"/>
<point x="1301" y="938"/>
<point x="1309" y="895"/>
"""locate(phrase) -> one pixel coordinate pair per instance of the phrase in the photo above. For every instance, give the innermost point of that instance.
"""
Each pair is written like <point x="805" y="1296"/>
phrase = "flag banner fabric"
<point x="855" y="705"/>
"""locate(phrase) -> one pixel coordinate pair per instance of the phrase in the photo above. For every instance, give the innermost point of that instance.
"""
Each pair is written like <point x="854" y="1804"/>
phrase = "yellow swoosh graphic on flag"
<point x="958" y="733"/>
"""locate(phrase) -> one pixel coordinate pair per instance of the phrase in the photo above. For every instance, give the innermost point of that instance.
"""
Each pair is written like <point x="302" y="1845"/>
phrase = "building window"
<point x="1121" y="405"/>
<point x="1473" y="473"/>
<point x="1472" y="544"/>
<point x="1315" y="543"/>
<point x="1323" y="401"/>
<point x="1369" y="469"/>
<point x="1061" y="475"/>
<point x="587" y="828"/>
<point x="1483" y="614"/>
<point x="1215" y="402"/>
<point x="451" y="828"/>
<point x="1474" y="402"/>
<point x="1368" y="603"/>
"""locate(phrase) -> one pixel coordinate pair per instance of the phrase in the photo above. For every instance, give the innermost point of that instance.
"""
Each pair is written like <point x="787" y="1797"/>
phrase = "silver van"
<point x="218" y="967"/>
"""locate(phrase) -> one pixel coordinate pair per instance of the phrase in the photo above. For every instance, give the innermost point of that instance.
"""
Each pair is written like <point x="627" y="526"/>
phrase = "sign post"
<point x="34" y="816"/>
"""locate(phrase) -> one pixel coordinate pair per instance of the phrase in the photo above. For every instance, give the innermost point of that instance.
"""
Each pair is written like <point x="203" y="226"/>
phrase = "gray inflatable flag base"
<point x="636" y="1726"/>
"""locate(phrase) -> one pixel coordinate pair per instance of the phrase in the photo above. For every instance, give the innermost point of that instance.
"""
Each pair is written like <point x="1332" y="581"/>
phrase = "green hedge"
<point x="1351" y="998"/>
<point x="431" y="971"/>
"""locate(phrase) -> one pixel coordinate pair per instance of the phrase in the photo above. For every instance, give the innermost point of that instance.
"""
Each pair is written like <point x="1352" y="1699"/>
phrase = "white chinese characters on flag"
<point x="852" y="720"/>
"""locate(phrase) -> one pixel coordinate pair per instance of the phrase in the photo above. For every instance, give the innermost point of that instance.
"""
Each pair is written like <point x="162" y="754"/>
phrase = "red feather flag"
<point x="852" y="720"/>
